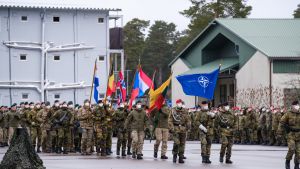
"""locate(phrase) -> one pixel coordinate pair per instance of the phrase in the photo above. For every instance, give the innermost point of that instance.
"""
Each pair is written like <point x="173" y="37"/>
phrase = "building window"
<point x="56" y="19"/>
<point x="23" y="57"/>
<point x="101" y="58"/>
<point x="100" y="20"/>
<point x="231" y="90"/>
<point x="25" y="96"/>
<point x="56" y="96"/>
<point x="237" y="49"/>
<point x="56" y="57"/>
<point x="286" y="66"/>
<point x="24" y="18"/>
<point x="223" y="93"/>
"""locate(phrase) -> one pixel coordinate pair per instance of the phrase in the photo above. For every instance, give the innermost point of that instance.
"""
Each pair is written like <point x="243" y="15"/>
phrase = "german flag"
<point x="157" y="97"/>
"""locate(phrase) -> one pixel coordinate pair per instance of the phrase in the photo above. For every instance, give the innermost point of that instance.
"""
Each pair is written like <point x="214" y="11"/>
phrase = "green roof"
<point x="226" y="63"/>
<point x="273" y="37"/>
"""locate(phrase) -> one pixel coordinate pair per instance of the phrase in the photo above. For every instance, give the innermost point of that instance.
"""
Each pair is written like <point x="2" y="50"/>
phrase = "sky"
<point x="168" y="10"/>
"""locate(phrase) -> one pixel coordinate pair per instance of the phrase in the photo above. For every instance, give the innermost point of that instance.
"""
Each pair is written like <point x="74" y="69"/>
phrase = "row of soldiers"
<point x="254" y="126"/>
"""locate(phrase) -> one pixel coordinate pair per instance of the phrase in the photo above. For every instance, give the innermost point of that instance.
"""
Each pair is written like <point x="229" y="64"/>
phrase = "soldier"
<point x="100" y="128"/>
<point x="269" y="126"/>
<point x="137" y="119"/>
<point x="44" y="116"/>
<point x="275" y="123"/>
<point x="161" y="130"/>
<point x="85" y="117"/>
<point x="25" y="117"/>
<point x="179" y="123"/>
<point x="119" y="118"/>
<point x="35" y="127"/>
<point x="128" y="135"/>
<point x="13" y="118"/>
<point x="290" y="123"/>
<point x="77" y="129"/>
<point x="262" y="125"/>
<point x="226" y="121"/>
<point x="204" y="120"/>
<point x="2" y="126"/>
<point x="250" y="125"/>
<point x="109" y="126"/>
<point x="53" y="131"/>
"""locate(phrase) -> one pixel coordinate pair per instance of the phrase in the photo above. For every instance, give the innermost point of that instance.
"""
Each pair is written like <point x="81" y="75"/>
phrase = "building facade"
<point x="48" y="51"/>
<point x="259" y="61"/>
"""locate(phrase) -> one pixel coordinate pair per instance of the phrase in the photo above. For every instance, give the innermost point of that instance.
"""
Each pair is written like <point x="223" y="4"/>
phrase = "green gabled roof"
<point x="273" y="37"/>
<point x="226" y="63"/>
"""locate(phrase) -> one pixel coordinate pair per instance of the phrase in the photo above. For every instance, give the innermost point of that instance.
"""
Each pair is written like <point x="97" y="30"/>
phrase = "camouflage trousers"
<point x="1" y="135"/>
<point x="179" y="143"/>
<point x="129" y="139"/>
<point x="53" y="139"/>
<point x="109" y="137"/>
<point x="206" y="141"/>
<point x="226" y="146"/>
<point x="122" y="140"/>
<point x="11" y="131"/>
<point x="251" y="135"/>
<point x="77" y="138"/>
<point x="86" y="140"/>
<point x="100" y="133"/>
<point x="162" y="135"/>
<point x="293" y="148"/>
<point x="36" y="136"/>
<point x="46" y="140"/>
<point x="64" y="137"/>
<point x="137" y="141"/>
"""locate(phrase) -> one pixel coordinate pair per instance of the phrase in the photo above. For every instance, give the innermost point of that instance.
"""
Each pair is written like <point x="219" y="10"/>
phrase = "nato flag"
<point x="202" y="85"/>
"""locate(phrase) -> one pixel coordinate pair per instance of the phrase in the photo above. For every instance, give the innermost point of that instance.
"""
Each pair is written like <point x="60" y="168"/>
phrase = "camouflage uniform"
<point x="109" y="128"/>
<point x="161" y="130"/>
<point x="44" y="118"/>
<point x="100" y="129"/>
<point x="53" y="131"/>
<point x="291" y="123"/>
<point x="85" y="117"/>
<point x="226" y="121"/>
<point x="275" y="123"/>
<point x="270" y="135"/>
<point x="205" y="118"/>
<point x="119" y="117"/>
<point x="137" y="119"/>
<point x="2" y="127"/>
<point x="179" y="123"/>
<point x="263" y="127"/>
<point x="251" y="127"/>
<point x="13" y="119"/>
<point x="77" y="132"/>
<point x="35" y="129"/>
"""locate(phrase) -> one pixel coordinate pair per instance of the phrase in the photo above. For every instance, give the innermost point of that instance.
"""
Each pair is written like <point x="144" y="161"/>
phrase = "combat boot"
<point x="207" y="160"/>
<point x="123" y="153"/>
<point x="128" y="151"/>
<point x="287" y="164"/>
<point x="107" y="151"/>
<point x="221" y="159"/>
<point x="155" y="154"/>
<point x="203" y="159"/>
<point x="163" y="157"/>
<point x="58" y="150"/>
<point x="103" y="153"/>
<point x="174" y="158"/>
<point x="133" y="155"/>
<point x="296" y="165"/>
<point x="228" y="161"/>
<point x="139" y="157"/>
<point x="118" y="151"/>
<point x="180" y="160"/>
<point x="65" y="151"/>
<point x="38" y="149"/>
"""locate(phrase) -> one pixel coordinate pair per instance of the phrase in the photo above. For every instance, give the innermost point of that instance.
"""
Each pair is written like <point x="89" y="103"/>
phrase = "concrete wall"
<point x="177" y="93"/>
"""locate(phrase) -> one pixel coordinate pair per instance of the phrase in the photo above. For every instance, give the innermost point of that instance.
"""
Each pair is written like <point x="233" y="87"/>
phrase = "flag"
<point x="202" y="85"/>
<point x="121" y="84"/>
<point x="157" y="97"/>
<point x="141" y="83"/>
<point x="96" y="84"/>
<point x="111" y="85"/>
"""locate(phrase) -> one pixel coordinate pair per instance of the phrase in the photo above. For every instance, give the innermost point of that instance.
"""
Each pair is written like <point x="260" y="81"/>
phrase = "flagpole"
<point x="110" y="68"/>
<point x="93" y="80"/>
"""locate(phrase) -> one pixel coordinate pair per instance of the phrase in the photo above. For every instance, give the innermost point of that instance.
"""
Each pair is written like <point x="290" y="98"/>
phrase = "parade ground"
<point x="244" y="157"/>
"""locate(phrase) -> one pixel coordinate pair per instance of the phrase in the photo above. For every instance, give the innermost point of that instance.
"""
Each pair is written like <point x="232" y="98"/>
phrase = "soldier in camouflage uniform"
<point x="77" y="129"/>
<point x="2" y="126"/>
<point x="53" y="131"/>
<point x="269" y="127"/>
<point x="35" y="127"/>
<point x="160" y="118"/>
<point x="137" y="119"/>
<point x="44" y="119"/>
<point x="275" y="123"/>
<point x="128" y="130"/>
<point x="291" y="123"/>
<point x="25" y="117"/>
<point x="100" y="128"/>
<point x="251" y="126"/>
<point x="179" y="123"/>
<point x="109" y="126"/>
<point x="262" y="126"/>
<point x="226" y="121"/>
<point x="13" y="119"/>
<point x="119" y="117"/>
<point x="85" y="116"/>
<point x="204" y="120"/>
<point x="5" y="126"/>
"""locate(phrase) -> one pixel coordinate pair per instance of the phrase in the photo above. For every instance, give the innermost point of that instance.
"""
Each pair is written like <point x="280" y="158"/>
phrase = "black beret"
<point x="26" y="103"/>
<point x="204" y="102"/>
<point x="295" y="102"/>
<point x="99" y="101"/>
<point x="21" y="103"/>
<point x="56" y="101"/>
<point x="86" y="100"/>
<point x="13" y="105"/>
<point x="225" y="104"/>
<point x="47" y="103"/>
<point x="70" y="103"/>
<point x="31" y="103"/>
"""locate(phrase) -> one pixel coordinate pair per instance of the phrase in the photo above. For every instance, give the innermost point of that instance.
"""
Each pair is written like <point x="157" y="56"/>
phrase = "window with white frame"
<point x="57" y="96"/>
<point x="56" y="19"/>
<point x="24" y="18"/>
<point x="101" y="58"/>
<point x="56" y="57"/>
<point x="100" y="20"/>
<point x="23" y="57"/>
<point x="25" y="96"/>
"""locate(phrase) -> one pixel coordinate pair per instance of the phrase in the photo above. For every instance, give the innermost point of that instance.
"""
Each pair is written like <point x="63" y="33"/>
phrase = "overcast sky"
<point x="168" y="10"/>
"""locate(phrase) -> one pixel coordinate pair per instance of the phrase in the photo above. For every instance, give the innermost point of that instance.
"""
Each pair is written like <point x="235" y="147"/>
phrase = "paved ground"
<point x="244" y="157"/>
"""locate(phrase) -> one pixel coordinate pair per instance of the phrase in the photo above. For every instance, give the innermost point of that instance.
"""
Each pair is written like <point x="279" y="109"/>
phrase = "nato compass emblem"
<point x="203" y="82"/>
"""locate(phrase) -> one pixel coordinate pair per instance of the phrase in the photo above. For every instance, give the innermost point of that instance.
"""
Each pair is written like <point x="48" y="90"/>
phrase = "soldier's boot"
<point x="65" y="151"/>
<point x="287" y="164"/>
<point x="123" y="153"/>
<point x="155" y="154"/>
<point x="296" y="165"/>
<point x="133" y="155"/>
<point x="139" y="157"/>
<point x="107" y="151"/>
<point x="207" y="160"/>
<point x="38" y="149"/>
<point x="103" y="153"/>
<point x="163" y="157"/>
<point x="221" y="159"/>
<point x="118" y="151"/>
<point x="174" y="158"/>
<point x="33" y="147"/>
<point x="228" y="161"/>
<point x="203" y="159"/>
<point x="181" y="161"/>
<point x="58" y="150"/>
<point x="128" y="151"/>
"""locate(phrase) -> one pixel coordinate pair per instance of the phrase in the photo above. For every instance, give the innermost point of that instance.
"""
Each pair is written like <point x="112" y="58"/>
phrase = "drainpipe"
<point x="43" y="57"/>
<point x="270" y="78"/>
<point x="9" y="54"/>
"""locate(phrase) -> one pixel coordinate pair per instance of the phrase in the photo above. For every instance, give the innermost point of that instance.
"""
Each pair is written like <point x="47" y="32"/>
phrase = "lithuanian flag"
<point x="157" y="97"/>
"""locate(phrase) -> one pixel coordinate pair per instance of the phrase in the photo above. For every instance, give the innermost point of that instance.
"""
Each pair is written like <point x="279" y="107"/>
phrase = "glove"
<point x="204" y="129"/>
<point x="211" y="114"/>
<point x="33" y="123"/>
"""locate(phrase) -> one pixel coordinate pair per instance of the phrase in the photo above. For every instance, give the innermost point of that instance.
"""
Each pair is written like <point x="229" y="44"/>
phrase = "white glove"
<point x="211" y="114"/>
<point x="204" y="129"/>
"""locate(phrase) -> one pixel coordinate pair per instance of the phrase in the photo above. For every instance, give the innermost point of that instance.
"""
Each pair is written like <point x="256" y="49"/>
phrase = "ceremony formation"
<point x="151" y="84"/>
